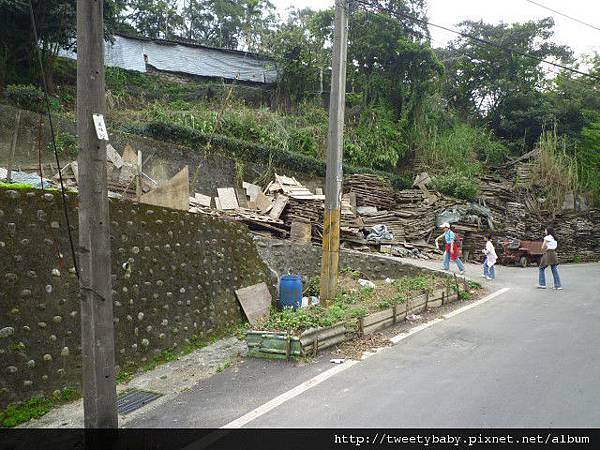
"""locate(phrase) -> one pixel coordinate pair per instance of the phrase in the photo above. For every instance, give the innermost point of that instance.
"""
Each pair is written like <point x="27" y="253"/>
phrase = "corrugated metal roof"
<point x="172" y="56"/>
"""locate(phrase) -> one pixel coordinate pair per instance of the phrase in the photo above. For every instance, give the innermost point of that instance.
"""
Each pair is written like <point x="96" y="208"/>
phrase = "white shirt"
<point x="490" y="252"/>
<point x="551" y="243"/>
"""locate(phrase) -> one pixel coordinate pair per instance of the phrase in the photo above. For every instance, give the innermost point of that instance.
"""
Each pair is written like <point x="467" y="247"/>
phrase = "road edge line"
<point x="292" y="393"/>
<point x="303" y="387"/>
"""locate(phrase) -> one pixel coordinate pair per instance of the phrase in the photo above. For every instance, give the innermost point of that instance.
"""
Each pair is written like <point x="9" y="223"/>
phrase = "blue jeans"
<point x="446" y="263"/>
<point x="489" y="271"/>
<point x="542" y="277"/>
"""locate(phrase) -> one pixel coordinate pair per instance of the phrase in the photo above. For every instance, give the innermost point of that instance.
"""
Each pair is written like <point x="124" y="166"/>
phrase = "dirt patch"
<point x="354" y="349"/>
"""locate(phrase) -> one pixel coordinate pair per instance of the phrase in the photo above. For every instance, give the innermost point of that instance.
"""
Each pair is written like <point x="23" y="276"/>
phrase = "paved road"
<point x="527" y="358"/>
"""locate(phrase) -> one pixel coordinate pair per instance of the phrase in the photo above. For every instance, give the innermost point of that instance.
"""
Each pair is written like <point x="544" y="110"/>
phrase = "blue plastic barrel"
<point x="290" y="291"/>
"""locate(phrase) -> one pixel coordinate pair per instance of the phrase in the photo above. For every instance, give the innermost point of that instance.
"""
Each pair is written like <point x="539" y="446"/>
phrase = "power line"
<point x="477" y="39"/>
<point x="564" y="15"/>
<point x="53" y="136"/>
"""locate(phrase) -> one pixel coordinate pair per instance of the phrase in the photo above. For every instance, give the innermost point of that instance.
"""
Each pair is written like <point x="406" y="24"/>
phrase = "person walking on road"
<point x="451" y="250"/>
<point x="549" y="258"/>
<point x="489" y="264"/>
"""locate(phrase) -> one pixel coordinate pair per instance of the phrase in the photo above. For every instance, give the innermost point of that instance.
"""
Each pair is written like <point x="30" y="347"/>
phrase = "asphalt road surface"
<point x="527" y="358"/>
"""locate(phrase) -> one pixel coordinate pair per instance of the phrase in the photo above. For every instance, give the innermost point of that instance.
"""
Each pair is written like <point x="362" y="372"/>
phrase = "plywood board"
<point x="173" y="193"/>
<point x="227" y="198"/>
<point x="241" y="198"/>
<point x="301" y="231"/>
<point x="252" y="190"/>
<point x="263" y="203"/>
<point x="218" y="203"/>
<point x="256" y="301"/>
<point x="203" y="200"/>
<point x="278" y="206"/>
<point x="113" y="156"/>
<point x="129" y="155"/>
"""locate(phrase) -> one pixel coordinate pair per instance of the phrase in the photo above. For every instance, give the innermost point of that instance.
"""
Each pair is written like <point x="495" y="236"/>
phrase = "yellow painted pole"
<point x="333" y="181"/>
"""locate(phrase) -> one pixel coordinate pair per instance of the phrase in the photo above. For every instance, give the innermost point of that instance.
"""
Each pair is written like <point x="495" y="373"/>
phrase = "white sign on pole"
<point x="101" y="131"/>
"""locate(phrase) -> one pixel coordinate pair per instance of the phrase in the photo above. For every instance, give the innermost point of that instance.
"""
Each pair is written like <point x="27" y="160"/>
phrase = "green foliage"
<point x="253" y="152"/>
<point x="313" y="287"/>
<point x="376" y="139"/>
<point x="348" y="305"/>
<point x="588" y="157"/>
<point x="66" y="144"/>
<point x="499" y="88"/>
<point x="473" y="285"/>
<point x="354" y="274"/>
<point x="34" y="408"/>
<point x="555" y="169"/>
<point x="465" y="295"/>
<point x="25" y="96"/>
<point x="455" y="185"/>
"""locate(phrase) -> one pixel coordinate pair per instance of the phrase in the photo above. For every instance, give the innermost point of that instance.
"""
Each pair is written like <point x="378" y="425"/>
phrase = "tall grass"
<point x="555" y="169"/>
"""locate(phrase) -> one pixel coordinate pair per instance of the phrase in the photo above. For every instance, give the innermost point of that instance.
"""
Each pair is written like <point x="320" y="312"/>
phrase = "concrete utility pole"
<point x="333" y="183"/>
<point x="97" y="328"/>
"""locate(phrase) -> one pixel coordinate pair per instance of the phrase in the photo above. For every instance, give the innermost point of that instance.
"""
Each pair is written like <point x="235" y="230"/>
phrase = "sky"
<point x="582" y="39"/>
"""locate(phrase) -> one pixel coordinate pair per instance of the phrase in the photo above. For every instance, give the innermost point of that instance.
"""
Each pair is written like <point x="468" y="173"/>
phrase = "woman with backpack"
<point x="452" y="248"/>
<point x="549" y="258"/>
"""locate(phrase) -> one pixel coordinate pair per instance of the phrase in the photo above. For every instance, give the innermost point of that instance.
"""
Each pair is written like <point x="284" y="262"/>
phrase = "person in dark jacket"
<point x="549" y="258"/>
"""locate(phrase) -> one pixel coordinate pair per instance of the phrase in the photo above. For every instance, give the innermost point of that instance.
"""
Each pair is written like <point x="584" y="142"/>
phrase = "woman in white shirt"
<point x="489" y="264"/>
<point x="549" y="258"/>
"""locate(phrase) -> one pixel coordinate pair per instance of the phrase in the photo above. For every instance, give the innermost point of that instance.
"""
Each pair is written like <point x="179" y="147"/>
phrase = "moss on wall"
<point x="174" y="277"/>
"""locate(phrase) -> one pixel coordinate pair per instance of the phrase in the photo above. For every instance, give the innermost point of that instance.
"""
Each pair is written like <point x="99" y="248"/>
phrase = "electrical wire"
<point x="478" y="40"/>
<point x="53" y="137"/>
<point x="564" y="15"/>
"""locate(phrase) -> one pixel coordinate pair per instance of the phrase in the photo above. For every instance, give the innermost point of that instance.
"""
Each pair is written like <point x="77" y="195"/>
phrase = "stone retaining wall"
<point x="174" y="276"/>
<point x="305" y="259"/>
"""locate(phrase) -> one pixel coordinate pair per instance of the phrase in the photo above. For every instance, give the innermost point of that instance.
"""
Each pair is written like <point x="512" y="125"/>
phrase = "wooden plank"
<point x="252" y="190"/>
<point x="301" y="231"/>
<point x="227" y="198"/>
<point x="113" y="156"/>
<point x="378" y="317"/>
<point x="256" y="301"/>
<point x="203" y="200"/>
<point x="218" y="204"/>
<point x="278" y="206"/>
<point x="263" y="203"/>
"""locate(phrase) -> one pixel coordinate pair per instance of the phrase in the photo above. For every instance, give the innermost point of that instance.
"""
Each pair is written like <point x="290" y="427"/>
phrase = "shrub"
<point x="25" y="96"/>
<point x="456" y="185"/>
<point x="249" y="151"/>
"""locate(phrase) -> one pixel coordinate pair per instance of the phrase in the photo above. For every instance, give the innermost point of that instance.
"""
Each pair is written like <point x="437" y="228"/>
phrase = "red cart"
<point x="520" y="252"/>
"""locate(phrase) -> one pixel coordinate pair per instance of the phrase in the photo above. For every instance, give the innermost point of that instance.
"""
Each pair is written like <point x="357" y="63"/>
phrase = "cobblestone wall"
<point x="174" y="276"/>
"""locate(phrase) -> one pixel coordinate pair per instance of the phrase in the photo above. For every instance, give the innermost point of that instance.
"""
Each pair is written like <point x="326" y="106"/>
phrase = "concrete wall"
<point x="177" y="286"/>
<point x="305" y="259"/>
<point x="162" y="160"/>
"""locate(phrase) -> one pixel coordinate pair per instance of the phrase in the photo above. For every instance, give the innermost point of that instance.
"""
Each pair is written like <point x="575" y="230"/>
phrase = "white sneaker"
<point x="558" y="288"/>
<point x="539" y="286"/>
<point x="488" y="278"/>
<point x="462" y="272"/>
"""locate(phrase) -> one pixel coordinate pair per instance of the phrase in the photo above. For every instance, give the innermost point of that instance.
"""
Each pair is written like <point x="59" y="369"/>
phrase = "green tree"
<point x="588" y="158"/>
<point x="57" y="28"/>
<point x="233" y="24"/>
<point x="500" y="88"/>
<point x="155" y="18"/>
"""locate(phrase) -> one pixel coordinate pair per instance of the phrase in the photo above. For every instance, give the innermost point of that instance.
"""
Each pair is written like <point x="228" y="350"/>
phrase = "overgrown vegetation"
<point x="352" y="301"/>
<point x="34" y="408"/>
<point x="458" y="111"/>
<point x="455" y="185"/>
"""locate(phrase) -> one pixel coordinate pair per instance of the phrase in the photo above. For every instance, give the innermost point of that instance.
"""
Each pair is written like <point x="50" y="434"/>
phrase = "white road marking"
<point x="477" y="303"/>
<point x="277" y="401"/>
<point x="261" y="410"/>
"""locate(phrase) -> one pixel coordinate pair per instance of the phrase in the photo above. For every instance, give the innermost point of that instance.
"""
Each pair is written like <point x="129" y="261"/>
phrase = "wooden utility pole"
<point x="333" y="183"/>
<point x="97" y="328"/>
